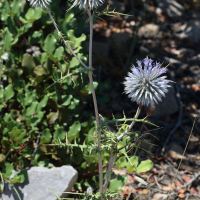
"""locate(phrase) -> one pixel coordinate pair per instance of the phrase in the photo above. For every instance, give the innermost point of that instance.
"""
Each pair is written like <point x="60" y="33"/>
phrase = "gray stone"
<point x="39" y="183"/>
<point x="171" y="7"/>
<point x="168" y="105"/>
<point x="148" y="30"/>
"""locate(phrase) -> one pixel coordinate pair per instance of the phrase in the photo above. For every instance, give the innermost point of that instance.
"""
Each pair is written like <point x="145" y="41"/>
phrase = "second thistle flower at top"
<point x="40" y="3"/>
<point x="84" y="4"/>
<point x="145" y="84"/>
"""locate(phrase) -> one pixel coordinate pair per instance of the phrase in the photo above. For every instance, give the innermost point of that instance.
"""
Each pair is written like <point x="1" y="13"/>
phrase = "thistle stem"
<point x="95" y="105"/>
<point x="131" y="125"/>
<point x="112" y="156"/>
<point x="66" y="44"/>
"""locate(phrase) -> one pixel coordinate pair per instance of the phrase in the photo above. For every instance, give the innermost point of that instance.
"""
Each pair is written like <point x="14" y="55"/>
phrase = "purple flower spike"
<point x="145" y="84"/>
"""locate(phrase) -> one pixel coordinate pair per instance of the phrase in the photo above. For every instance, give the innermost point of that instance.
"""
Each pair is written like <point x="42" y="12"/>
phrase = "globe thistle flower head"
<point x="40" y="3"/>
<point x="144" y="84"/>
<point x="85" y="4"/>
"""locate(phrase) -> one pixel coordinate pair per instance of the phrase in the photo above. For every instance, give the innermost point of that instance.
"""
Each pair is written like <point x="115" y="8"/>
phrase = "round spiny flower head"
<point x="40" y="3"/>
<point x="84" y="4"/>
<point x="145" y="84"/>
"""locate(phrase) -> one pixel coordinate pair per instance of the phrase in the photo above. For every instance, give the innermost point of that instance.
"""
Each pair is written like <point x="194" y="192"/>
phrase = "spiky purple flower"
<point x="84" y="4"/>
<point x="40" y="3"/>
<point x="144" y="84"/>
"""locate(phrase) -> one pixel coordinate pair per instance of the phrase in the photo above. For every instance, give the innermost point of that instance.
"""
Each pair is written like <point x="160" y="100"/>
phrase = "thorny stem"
<point x="112" y="156"/>
<point x="95" y="105"/>
<point x="66" y="44"/>
<point x="132" y="123"/>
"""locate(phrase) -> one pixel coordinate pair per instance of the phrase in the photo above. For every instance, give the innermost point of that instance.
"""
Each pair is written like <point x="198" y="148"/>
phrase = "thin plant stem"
<point x="111" y="162"/>
<point x="112" y="156"/>
<point x="131" y="125"/>
<point x="95" y="105"/>
<point x="66" y="44"/>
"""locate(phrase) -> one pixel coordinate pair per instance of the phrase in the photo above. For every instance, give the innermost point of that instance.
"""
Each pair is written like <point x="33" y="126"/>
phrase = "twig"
<point x="112" y="160"/>
<point x="36" y="145"/>
<point x="159" y="186"/>
<point x="185" y="185"/>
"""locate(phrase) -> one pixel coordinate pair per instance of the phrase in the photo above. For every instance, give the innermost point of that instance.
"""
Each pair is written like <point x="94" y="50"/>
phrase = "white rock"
<point x="39" y="183"/>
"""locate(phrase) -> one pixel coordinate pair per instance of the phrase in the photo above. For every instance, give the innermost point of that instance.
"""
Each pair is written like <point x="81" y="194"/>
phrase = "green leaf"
<point x="74" y="131"/>
<point x="87" y="88"/>
<point x="91" y="158"/>
<point x="28" y="63"/>
<point x="44" y="163"/>
<point x="77" y="155"/>
<point x="59" y="133"/>
<point x="46" y="136"/>
<point x="9" y="93"/>
<point x="121" y="162"/>
<point x="20" y="177"/>
<point x="144" y="166"/>
<point x="17" y="134"/>
<point x="20" y="97"/>
<point x="76" y="41"/>
<point x="39" y="70"/>
<point x="59" y="53"/>
<point x="50" y="43"/>
<point x="44" y="57"/>
<point x="34" y="14"/>
<point x="42" y="103"/>
<point x="7" y="39"/>
<point x="1" y="95"/>
<point x="2" y="158"/>
<point x="117" y="183"/>
<point x="74" y="63"/>
<point x="66" y="99"/>
<point x="8" y="170"/>
<point x="134" y="161"/>
<point x="29" y="97"/>
<point x="52" y="117"/>
<point x="16" y="6"/>
<point x="32" y="109"/>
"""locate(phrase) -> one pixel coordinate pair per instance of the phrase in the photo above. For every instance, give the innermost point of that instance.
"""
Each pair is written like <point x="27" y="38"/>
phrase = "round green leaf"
<point x="59" y="53"/>
<point x="144" y="166"/>
<point x="74" y="131"/>
<point x="33" y="14"/>
<point x="117" y="183"/>
<point x="52" y="117"/>
<point x="28" y="63"/>
<point x="66" y="99"/>
<point x="134" y="162"/>
<point x="121" y="162"/>
<point x="59" y="133"/>
<point x="50" y="43"/>
<point x="46" y="136"/>
<point x="32" y="109"/>
<point x="9" y="93"/>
